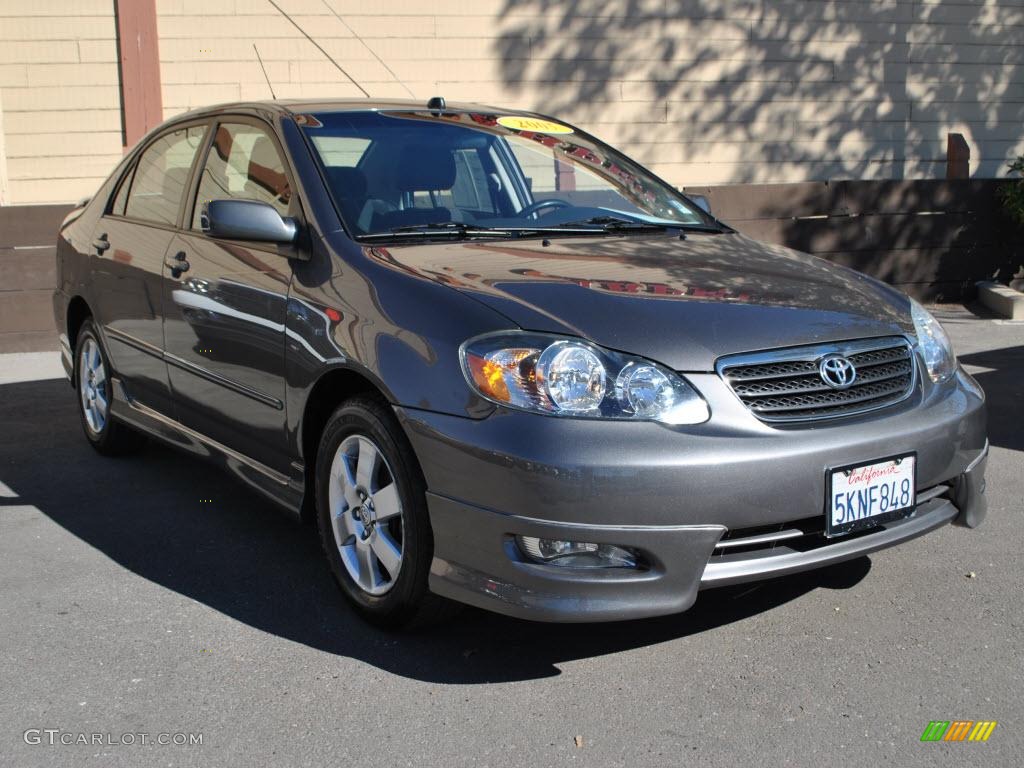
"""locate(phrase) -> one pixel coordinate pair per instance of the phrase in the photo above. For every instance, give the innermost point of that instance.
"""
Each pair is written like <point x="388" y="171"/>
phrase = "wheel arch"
<point x="78" y="312"/>
<point x="330" y="390"/>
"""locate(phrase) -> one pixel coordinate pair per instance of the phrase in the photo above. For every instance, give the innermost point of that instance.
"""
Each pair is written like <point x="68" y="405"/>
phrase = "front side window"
<point x="244" y="164"/>
<point x="161" y="175"/>
<point x="391" y="171"/>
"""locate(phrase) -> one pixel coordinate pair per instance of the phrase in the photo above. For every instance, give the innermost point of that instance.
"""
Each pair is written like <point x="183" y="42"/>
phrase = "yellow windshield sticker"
<point x="534" y="124"/>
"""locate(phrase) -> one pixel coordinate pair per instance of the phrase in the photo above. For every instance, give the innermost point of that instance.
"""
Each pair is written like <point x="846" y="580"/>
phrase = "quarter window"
<point x="243" y="163"/>
<point x="161" y="176"/>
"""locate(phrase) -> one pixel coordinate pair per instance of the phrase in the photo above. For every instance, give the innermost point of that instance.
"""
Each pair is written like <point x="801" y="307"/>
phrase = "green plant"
<point x="1012" y="193"/>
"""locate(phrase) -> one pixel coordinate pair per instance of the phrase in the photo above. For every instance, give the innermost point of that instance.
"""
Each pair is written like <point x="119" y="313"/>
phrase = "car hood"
<point x="683" y="303"/>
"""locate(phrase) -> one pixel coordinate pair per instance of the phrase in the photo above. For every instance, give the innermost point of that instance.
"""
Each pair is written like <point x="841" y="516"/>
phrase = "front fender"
<point x="351" y="309"/>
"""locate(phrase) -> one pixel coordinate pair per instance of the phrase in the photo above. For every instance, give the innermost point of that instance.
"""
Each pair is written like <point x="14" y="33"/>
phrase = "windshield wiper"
<point x="595" y="225"/>
<point x="438" y="229"/>
<point x="616" y="224"/>
<point x="623" y="224"/>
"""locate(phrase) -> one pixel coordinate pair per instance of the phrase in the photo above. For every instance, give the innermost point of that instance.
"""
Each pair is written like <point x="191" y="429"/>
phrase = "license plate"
<point x="866" y="495"/>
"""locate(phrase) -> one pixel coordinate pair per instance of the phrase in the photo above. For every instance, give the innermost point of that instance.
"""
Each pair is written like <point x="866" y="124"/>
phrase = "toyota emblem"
<point x="837" y="371"/>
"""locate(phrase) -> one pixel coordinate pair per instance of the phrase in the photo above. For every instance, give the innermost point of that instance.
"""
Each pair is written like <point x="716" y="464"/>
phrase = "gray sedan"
<point x="499" y="363"/>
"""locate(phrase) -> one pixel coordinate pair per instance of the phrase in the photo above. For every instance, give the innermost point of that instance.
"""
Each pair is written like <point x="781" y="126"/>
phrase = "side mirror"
<point x="702" y="202"/>
<point x="247" y="220"/>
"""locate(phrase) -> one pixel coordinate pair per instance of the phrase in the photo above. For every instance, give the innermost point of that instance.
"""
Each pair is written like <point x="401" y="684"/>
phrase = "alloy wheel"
<point x="366" y="514"/>
<point x="92" y="386"/>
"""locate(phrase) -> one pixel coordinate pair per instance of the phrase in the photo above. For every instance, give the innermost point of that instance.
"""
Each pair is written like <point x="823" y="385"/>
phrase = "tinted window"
<point x="161" y="175"/>
<point x="243" y="163"/>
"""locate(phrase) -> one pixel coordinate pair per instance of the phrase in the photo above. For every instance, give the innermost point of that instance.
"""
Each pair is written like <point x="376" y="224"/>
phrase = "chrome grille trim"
<point x="784" y="385"/>
<point x="761" y="538"/>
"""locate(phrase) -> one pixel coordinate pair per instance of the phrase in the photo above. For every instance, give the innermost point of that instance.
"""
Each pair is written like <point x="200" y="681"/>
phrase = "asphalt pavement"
<point x="152" y="598"/>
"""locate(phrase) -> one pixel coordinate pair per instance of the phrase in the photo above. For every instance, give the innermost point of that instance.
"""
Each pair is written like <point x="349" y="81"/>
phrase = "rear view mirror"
<point x="247" y="220"/>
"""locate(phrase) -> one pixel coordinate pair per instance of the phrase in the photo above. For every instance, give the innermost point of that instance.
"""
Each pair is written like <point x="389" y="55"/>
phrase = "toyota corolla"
<point x="500" y="363"/>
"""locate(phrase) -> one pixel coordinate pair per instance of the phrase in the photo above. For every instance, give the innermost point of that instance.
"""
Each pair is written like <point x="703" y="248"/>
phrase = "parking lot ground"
<point x="154" y="595"/>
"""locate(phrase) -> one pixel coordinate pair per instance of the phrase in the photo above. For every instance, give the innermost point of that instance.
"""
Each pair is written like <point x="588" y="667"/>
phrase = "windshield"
<point x="469" y="172"/>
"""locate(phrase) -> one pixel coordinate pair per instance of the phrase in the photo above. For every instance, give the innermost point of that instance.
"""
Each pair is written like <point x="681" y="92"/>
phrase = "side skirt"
<point x="285" y="490"/>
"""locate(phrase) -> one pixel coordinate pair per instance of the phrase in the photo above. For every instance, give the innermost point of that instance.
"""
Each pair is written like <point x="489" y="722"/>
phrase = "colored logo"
<point x="958" y="730"/>
<point x="534" y="124"/>
<point x="837" y="371"/>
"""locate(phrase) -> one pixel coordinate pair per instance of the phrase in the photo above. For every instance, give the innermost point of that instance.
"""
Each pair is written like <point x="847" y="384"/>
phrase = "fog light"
<point x="575" y="554"/>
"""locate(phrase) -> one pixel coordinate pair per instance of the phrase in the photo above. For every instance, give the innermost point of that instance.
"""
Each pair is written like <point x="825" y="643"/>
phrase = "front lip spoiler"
<point x="754" y="566"/>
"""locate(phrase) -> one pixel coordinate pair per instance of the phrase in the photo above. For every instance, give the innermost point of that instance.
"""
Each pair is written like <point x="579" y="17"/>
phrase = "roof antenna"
<point x="265" y="75"/>
<point x="436" y="105"/>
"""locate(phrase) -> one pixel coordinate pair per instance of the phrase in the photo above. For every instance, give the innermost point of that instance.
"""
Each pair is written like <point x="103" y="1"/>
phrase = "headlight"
<point x="567" y="377"/>
<point x="933" y="343"/>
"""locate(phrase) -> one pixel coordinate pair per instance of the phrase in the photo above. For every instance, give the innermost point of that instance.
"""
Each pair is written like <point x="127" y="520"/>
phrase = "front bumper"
<point x="671" y="494"/>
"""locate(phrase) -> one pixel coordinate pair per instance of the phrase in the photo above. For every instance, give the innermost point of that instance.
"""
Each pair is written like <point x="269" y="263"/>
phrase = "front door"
<point x="225" y="301"/>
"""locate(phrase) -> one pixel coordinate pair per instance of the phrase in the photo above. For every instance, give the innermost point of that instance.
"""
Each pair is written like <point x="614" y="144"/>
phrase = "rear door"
<point x="129" y="243"/>
<point x="224" y="327"/>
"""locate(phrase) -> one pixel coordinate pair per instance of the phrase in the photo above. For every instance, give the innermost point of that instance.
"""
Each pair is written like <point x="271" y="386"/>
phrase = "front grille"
<point x="785" y="385"/>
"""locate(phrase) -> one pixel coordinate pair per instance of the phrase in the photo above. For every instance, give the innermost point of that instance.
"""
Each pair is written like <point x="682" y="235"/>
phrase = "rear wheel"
<point x="372" y="514"/>
<point x="95" y="394"/>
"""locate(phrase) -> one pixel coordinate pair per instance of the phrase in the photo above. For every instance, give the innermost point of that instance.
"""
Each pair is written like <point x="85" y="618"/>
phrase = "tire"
<point x="372" y="518"/>
<point x="93" y="385"/>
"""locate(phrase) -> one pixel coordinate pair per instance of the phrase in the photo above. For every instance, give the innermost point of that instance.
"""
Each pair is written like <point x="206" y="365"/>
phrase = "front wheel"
<point x="372" y="515"/>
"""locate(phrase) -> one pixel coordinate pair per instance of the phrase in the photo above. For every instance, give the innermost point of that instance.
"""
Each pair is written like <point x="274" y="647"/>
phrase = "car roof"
<point x="302" y="106"/>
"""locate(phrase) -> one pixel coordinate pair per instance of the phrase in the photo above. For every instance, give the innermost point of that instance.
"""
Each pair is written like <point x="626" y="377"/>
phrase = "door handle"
<point x="179" y="265"/>
<point x="101" y="243"/>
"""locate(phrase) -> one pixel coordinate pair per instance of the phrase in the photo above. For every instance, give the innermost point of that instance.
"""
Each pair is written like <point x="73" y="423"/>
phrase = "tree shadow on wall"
<point x="832" y="86"/>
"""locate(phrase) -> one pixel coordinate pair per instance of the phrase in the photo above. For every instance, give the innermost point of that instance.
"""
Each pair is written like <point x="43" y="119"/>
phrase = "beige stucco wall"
<point x="704" y="91"/>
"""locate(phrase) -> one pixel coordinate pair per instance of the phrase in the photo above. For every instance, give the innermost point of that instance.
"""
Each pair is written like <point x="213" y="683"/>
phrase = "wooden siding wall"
<point x="61" y="101"/>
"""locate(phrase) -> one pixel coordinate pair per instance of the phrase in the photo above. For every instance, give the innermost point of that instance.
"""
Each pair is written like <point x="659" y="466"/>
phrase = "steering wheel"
<point x="539" y="205"/>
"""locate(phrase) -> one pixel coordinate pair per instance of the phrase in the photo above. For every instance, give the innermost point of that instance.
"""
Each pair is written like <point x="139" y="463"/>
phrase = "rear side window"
<point x="161" y="176"/>
<point x="243" y="163"/>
